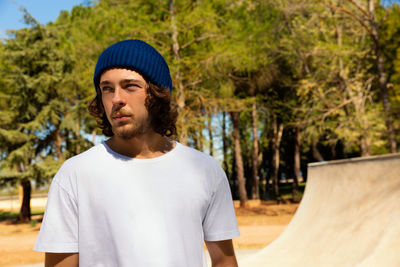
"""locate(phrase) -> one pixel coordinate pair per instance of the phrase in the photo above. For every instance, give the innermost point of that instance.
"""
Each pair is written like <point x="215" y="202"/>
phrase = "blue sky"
<point x="43" y="10"/>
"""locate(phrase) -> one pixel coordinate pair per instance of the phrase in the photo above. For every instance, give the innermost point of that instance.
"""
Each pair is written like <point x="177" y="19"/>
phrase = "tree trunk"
<point x="195" y="137"/>
<point x="315" y="152"/>
<point x="178" y="79"/>
<point x="201" y="138"/>
<point x="255" y="192"/>
<point x="239" y="159"/>
<point x="25" y="211"/>
<point x="296" y="166"/>
<point x="94" y="134"/>
<point x="365" y="147"/>
<point x="267" y="193"/>
<point x="382" y="78"/>
<point x="78" y="140"/>
<point x="58" y="144"/>
<point x="277" y="130"/>
<point x="210" y="136"/>
<point x="234" y="176"/>
<point x="224" y="145"/>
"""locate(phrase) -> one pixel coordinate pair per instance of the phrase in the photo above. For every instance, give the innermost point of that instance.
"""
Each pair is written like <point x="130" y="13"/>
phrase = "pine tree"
<point x="32" y="137"/>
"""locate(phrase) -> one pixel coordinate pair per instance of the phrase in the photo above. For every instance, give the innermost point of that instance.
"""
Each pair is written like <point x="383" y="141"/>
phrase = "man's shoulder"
<point x="84" y="158"/>
<point x="197" y="159"/>
<point x="84" y="162"/>
<point x="192" y="153"/>
<point x="202" y="164"/>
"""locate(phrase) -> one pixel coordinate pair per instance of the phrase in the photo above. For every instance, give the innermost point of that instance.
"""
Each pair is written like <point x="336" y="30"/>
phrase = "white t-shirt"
<point x="120" y="211"/>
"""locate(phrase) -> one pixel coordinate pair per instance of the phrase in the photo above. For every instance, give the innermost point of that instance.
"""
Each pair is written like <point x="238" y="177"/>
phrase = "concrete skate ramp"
<point x="349" y="216"/>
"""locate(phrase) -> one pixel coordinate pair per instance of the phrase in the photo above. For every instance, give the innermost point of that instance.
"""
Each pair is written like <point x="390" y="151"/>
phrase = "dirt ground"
<point x="261" y="225"/>
<point x="258" y="225"/>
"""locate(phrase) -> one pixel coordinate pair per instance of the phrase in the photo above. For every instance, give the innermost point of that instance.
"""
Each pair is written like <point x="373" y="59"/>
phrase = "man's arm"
<point x="61" y="260"/>
<point x="222" y="253"/>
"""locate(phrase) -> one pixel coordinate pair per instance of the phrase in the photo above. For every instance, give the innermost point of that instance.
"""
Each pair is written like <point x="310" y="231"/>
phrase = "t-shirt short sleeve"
<point x="59" y="230"/>
<point x="220" y="221"/>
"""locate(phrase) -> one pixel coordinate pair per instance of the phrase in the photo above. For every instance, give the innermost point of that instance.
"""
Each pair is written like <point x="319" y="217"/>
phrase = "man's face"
<point x="123" y="94"/>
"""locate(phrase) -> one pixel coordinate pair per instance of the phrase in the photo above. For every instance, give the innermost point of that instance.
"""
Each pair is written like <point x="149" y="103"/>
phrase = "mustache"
<point x="120" y="113"/>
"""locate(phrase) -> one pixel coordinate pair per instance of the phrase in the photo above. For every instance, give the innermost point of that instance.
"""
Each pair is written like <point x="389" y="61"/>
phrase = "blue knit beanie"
<point x="136" y="55"/>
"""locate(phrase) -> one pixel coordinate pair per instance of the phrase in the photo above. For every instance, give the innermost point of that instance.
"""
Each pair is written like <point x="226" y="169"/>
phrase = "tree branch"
<point x="198" y="39"/>
<point x="359" y="8"/>
<point x="359" y="19"/>
<point x="329" y="112"/>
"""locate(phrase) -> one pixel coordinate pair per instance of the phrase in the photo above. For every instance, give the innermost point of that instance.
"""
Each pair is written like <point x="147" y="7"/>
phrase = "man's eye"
<point x="132" y="85"/>
<point x="106" y="89"/>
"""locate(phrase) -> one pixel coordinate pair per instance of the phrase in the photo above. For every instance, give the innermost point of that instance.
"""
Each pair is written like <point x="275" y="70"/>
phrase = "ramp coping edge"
<point x="354" y="160"/>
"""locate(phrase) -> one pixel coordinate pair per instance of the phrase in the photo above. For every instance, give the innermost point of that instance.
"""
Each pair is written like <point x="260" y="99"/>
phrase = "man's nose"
<point x="118" y="97"/>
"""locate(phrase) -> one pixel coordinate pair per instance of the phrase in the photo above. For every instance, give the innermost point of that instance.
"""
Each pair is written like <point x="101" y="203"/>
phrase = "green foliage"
<point x="303" y="62"/>
<point x="6" y="215"/>
<point x="36" y="101"/>
<point x="390" y="42"/>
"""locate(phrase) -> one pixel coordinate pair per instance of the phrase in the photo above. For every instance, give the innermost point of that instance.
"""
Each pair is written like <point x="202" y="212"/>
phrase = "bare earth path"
<point x="16" y="243"/>
<point x="259" y="226"/>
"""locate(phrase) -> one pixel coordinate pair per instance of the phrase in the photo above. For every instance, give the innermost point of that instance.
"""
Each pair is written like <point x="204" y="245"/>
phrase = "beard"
<point x="131" y="128"/>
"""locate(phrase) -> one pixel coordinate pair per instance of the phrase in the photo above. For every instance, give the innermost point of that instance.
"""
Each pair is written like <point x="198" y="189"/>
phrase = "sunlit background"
<point x="265" y="87"/>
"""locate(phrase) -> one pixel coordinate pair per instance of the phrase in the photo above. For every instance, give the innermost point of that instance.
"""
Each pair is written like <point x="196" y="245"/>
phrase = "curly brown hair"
<point x="163" y="115"/>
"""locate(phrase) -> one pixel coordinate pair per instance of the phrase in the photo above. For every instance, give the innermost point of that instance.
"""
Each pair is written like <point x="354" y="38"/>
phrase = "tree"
<point x="367" y="18"/>
<point x="31" y="139"/>
<point x="390" y="37"/>
<point x="239" y="159"/>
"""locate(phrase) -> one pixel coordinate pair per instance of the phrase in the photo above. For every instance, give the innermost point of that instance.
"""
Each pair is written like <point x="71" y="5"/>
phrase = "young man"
<point x="139" y="198"/>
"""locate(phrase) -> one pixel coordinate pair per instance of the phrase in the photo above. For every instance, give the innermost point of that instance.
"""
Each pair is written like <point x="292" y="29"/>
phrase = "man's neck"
<point x="142" y="147"/>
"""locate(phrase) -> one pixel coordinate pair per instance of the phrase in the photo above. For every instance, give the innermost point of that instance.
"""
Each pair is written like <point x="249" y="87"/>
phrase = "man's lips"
<point x="121" y="117"/>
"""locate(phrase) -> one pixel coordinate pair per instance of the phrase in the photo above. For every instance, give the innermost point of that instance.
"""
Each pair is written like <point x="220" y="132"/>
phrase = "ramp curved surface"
<point x="349" y="216"/>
